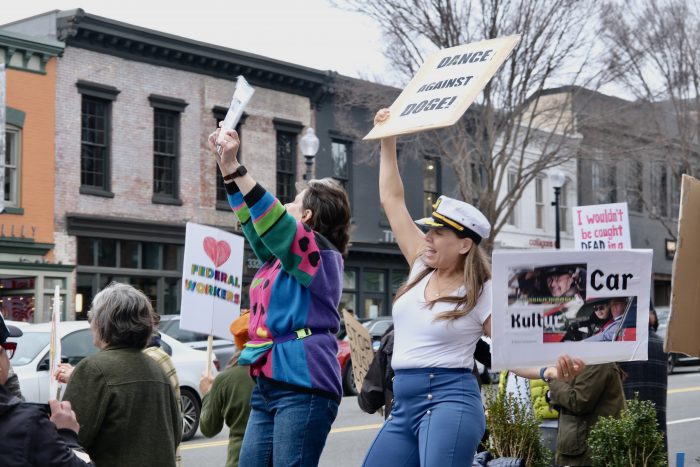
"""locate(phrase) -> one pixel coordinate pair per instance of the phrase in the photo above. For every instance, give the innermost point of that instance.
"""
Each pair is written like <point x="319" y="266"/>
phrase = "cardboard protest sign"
<point x="602" y="227"/>
<point x="360" y="348"/>
<point x="684" y="322"/>
<point x="444" y="87"/>
<point x="211" y="280"/>
<point x="589" y="304"/>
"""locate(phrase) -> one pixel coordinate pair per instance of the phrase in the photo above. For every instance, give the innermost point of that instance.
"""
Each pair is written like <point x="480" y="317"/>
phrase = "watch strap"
<point x="239" y="172"/>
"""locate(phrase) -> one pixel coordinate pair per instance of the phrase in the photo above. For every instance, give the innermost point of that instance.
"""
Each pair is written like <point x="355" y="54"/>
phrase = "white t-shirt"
<point x="422" y="342"/>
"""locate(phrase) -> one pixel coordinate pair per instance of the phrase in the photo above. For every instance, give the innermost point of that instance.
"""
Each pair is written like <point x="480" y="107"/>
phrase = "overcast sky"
<point x="306" y="32"/>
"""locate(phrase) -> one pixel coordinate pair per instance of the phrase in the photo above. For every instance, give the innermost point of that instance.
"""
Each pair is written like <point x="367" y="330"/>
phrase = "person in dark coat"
<point x="596" y="392"/>
<point x="649" y="378"/>
<point x="28" y="437"/>
<point x="126" y="406"/>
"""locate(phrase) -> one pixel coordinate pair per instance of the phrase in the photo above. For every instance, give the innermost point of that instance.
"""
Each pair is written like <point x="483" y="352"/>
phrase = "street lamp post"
<point x="558" y="177"/>
<point x="309" y="147"/>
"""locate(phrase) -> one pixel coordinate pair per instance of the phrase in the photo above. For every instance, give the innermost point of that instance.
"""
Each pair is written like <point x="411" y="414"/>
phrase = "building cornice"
<point x="80" y="29"/>
<point x="17" y="50"/>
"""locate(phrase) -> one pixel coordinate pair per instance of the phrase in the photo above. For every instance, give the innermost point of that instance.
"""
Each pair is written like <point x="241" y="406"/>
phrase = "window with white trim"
<point x="12" y="159"/>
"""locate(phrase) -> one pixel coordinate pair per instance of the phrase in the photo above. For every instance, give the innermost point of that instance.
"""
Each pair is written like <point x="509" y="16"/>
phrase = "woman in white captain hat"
<point x="439" y="314"/>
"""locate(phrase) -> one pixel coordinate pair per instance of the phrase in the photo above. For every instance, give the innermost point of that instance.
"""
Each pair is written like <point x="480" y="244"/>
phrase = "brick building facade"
<point x="29" y="267"/>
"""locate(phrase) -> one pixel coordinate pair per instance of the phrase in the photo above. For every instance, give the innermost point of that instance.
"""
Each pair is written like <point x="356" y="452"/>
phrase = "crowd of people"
<point x="280" y="394"/>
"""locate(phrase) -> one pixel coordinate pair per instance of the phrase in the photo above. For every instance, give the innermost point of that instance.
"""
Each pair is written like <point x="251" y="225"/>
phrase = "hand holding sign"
<point x="226" y="151"/>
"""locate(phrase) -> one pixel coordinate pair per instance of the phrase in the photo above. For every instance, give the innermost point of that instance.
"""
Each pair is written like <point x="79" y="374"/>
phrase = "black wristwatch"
<point x="239" y="172"/>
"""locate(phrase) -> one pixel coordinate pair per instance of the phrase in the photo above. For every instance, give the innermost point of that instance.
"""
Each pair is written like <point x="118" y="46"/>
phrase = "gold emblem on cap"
<point x="448" y="221"/>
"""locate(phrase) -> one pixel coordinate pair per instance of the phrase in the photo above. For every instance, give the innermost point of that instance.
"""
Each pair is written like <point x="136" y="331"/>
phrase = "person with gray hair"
<point x="126" y="407"/>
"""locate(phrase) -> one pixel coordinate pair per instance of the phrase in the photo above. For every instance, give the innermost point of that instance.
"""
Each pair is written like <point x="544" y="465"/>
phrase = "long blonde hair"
<point x="477" y="271"/>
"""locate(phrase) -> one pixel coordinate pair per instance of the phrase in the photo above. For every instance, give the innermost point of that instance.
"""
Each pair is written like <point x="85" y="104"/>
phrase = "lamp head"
<point x="309" y="143"/>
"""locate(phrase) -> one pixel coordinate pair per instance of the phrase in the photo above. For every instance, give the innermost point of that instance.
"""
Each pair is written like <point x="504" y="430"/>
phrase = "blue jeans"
<point x="437" y="420"/>
<point x="295" y="423"/>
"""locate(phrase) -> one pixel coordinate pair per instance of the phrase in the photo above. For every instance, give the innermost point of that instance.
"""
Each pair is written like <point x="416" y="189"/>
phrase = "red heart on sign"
<point x="217" y="251"/>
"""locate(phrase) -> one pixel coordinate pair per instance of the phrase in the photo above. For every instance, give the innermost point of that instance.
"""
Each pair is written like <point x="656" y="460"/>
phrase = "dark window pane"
<point x="173" y="256"/>
<point x="339" y="153"/>
<point x="165" y="130"/>
<point x="85" y="291"/>
<point x="374" y="281"/>
<point x="150" y="255"/>
<point x="286" y="162"/>
<point x="349" y="279"/>
<point x="129" y="254"/>
<point x="397" y="279"/>
<point x="86" y="256"/>
<point x="348" y="302"/>
<point x="147" y="285"/>
<point x="430" y="185"/>
<point x="94" y="142"/>
<point x="171" y="295"/>
<point x="634" y="186"/>
<point x="106" y="252"/>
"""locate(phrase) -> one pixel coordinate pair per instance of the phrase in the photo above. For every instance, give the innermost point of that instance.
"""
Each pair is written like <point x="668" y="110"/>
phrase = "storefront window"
<point x="397" y="280"/>
<point x="106" y="252"/>
<point x="86" y="251"/>
<point x="173" y="256"/>
<point x="129" y="254"/>
<point x="171" y="295"/>
<point x="18" y="307"/>
<point x="374" y="281"/>
<point x="348" y="302"/>
<point x="150" y="255"/>
<point x="373" y="307"/>
<point x="50" y="283"/>
<point x="349" y="281"/>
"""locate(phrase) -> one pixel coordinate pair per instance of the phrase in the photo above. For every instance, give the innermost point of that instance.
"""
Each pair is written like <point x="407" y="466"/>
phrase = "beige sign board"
<point x="360" y="348"/>
<point x="445" y="86"/>
<point x="684" y="322"/>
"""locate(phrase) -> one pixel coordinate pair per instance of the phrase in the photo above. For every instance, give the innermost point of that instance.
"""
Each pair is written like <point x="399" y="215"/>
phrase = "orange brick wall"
<point x="35" y="95"/>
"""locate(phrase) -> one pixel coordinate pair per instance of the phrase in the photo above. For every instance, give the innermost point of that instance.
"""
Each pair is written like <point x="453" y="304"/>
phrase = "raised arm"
<point x="228" y="163"/>
<point x="274" y="231"/>
<point x="391" y="193"/>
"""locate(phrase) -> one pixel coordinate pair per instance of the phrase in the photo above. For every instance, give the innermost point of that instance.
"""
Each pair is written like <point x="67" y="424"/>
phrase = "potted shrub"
<point x="514" y="430"/>
<point x="632" y="440"/>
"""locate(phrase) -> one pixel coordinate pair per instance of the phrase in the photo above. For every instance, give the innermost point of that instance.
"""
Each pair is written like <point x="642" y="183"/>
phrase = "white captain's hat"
<point x="463" y="218"/>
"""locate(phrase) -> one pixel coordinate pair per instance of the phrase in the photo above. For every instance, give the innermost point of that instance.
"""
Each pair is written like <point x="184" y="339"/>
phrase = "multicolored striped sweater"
<point x="294" y="297"/>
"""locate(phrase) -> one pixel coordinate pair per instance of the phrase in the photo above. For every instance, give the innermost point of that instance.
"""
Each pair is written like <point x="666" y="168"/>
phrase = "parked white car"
<point x="31" y="364"/>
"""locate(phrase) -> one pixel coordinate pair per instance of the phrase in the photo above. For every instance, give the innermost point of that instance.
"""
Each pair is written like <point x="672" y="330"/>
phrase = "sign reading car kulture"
<point x="602" y="227"/>
<point x="444" y="87"/>
<point x="211" y="280"/>
<point x="684" y="322"/>
<point x="589" y="304"/>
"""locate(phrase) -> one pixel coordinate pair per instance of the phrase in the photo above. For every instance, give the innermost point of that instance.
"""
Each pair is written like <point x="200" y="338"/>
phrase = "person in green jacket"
<point x="596" y="392"/>
<point x="227" y="399"/>
<point x="126" y="407"/>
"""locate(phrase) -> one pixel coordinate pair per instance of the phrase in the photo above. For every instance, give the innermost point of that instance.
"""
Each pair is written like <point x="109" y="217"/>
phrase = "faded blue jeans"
<point x="295" y="423"/>
<point x="437" y="420"/>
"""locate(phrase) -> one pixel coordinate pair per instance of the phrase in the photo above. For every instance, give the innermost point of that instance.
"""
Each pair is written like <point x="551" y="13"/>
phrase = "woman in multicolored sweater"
<point x="294" y="299"/>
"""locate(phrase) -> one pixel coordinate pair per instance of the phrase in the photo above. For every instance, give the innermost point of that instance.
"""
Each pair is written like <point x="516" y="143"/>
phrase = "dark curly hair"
<point x="330" y="206"/>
